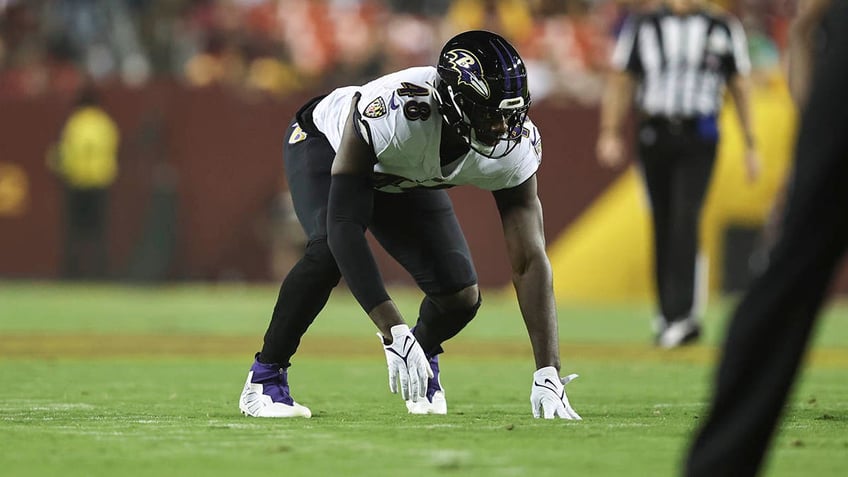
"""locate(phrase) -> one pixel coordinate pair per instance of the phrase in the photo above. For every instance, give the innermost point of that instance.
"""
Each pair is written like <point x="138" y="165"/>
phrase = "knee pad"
<point x="440" y="321"/>
<point x="469" y="309"/>
<point x="461" y="306"/>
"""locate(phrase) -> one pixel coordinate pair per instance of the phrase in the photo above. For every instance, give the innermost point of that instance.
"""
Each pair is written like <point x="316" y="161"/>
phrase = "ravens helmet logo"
<point x="470" y="70"/>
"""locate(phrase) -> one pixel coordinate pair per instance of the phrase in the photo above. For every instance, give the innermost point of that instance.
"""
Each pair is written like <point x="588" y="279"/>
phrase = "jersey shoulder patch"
<point x="531" y="134"/>
<point x="375" y="109"/>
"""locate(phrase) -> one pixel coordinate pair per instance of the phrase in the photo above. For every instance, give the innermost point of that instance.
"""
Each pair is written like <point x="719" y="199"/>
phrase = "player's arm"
<point x="521" y="216"/>
<point x="349" y="212"/>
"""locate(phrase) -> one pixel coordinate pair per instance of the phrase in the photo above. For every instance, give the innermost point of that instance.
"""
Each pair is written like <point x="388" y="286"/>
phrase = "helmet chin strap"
<point x="460" y="120"/>
<point x="448" y="108"/>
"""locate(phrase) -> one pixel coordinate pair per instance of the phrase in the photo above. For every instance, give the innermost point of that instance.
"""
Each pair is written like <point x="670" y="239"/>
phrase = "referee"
<point x="676" y="61"/>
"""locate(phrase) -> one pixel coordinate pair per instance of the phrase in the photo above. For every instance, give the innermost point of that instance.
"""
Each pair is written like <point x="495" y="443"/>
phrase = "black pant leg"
<point x="691" y="174"/>
<point x="769" y="332"/>
<point x="303" y="294"/>
<point x="98" y="230"/>
<point x="73" y="234"/>
<point x="307" y="287"/>
<point x="677" y="166"/>
<point x="86" y="228"/>
<point x="655" y="154"/>
<point x="770" y="329"/>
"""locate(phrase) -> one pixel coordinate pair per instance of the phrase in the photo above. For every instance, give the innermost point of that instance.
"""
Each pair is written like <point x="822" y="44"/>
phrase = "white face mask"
<point x="503" y="147"/>
<point x="506" y="142"/>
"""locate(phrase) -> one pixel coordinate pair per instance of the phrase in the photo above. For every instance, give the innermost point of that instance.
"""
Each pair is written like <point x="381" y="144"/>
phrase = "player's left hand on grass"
<point x="547" y="397"/>
<point x="408" y="365"/>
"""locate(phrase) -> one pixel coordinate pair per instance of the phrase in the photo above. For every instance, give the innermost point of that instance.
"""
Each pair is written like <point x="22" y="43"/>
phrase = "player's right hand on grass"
<point x="547" y="396"/>
<point x="408" y="366"/>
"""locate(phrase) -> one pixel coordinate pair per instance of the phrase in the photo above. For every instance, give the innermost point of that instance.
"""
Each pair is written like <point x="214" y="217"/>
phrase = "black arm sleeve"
<point x="348" y="215"/>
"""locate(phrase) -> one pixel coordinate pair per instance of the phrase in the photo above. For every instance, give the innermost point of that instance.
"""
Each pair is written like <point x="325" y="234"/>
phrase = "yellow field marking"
<point x="151" y="346"/>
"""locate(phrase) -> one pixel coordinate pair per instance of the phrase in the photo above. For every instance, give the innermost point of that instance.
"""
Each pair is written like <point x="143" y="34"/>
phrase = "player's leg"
<point x="419" y="229"/>
<point x="306" y="288"/>
<point x="770" y="329"/>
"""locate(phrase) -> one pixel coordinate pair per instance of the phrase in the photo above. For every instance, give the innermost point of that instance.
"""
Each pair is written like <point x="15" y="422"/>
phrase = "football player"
<point x="378" y="157"/>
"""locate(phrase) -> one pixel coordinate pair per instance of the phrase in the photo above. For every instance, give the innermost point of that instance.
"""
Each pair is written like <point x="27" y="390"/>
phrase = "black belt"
<point x="672" y="122"/>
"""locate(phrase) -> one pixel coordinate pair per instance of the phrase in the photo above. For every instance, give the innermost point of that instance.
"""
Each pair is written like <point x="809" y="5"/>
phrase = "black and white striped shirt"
<point x="682" y="62"/>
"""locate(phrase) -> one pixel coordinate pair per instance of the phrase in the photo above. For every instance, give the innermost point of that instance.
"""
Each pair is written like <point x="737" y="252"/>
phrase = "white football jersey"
<point x="403" y="126"/>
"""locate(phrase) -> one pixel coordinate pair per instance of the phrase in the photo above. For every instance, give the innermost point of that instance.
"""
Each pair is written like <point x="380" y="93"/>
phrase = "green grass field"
<point x="111" y="380"/>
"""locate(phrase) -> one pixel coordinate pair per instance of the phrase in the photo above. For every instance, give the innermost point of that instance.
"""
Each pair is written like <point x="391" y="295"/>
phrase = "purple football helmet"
<point x="483" y="91"/>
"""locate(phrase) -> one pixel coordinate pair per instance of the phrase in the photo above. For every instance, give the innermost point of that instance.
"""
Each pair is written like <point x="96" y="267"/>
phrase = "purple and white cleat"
<point x="266" y="393"/>
<point x="435" y="402"/>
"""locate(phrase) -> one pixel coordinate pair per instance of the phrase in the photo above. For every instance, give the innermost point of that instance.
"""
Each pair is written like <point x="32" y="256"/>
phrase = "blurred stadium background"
<point x="201" y="91"/>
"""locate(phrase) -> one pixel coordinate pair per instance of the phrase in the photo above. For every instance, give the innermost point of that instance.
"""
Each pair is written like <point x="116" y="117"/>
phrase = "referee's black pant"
<point x="770" y="328"/>
<point x="677" y="158"/>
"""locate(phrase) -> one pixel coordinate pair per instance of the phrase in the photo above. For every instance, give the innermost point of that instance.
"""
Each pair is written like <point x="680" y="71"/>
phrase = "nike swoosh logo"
<point x="392" y="103"/>
<point x="405" y="349"/>
<point x="549" y="385"/>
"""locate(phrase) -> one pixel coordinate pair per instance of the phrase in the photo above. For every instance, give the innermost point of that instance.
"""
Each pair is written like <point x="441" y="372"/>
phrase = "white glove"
<point x="547" y="396"/>
<point x="407" y="364"/>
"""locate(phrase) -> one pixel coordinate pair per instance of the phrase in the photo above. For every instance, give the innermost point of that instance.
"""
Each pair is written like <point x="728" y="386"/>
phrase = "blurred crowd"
<point x="280" y="47"/>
